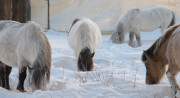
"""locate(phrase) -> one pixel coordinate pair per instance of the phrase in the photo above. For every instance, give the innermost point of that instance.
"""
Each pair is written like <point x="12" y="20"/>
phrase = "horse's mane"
<point x="84" y="56"/>
<point x="86" y="51"/>
<point x="75" y="21"/>
<point x="159" y="42"/>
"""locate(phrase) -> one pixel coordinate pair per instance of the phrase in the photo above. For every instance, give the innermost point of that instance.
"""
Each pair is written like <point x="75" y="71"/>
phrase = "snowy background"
<point x="106" y="13"/>
<point x="118" y="72"/>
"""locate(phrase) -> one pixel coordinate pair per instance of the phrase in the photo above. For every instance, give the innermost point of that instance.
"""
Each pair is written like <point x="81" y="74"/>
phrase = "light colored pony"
<point x="145" y="20"/>
<point x="166" y="50"/>
<point x="84" y="38"/>
<point x="26" y="45"/>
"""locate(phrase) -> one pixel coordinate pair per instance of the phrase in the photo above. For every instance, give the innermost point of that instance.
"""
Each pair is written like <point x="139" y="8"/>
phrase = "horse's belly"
<point x="10" y="61"/>
<point x="8" y="57"/>
<point x="148" y="25"/>
<point x="150" y="29"/>
<point x="8" y="52"/>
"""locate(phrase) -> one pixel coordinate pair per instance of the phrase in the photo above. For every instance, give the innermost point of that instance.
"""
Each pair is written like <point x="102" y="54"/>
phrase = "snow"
<point x="118" y="72"/>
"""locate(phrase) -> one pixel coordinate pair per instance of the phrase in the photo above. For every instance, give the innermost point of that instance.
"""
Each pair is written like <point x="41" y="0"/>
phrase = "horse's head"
<point x="154" y="69"/>
<point x="115" y="38"/>
<point x="118" y="35"/>
<point x="85" y="60"/>
<point x="38" y="78"/>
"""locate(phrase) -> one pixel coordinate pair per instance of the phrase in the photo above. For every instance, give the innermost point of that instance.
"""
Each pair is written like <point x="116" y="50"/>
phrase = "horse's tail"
<point x="42" y="65"/>
<point x="173" y="21"/>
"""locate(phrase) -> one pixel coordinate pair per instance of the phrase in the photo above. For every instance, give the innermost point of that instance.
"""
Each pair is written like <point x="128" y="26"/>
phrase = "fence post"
<point x="48" y="16"/>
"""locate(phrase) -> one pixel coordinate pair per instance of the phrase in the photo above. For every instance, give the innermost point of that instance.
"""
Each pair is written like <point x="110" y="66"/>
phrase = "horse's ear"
<point x="92" y="55"/>
<point x="146" y="55"/>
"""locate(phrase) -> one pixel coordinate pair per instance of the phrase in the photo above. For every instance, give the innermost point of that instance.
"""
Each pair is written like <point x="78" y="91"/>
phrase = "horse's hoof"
<point x="8" y="88"/>
<point x="131" y="45"/>
<point x="21" y="89"/>
<point x="139" y="45"/>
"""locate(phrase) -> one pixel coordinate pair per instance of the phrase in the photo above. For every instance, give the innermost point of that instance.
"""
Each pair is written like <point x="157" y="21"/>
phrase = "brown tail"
<point x="76" y="20"/>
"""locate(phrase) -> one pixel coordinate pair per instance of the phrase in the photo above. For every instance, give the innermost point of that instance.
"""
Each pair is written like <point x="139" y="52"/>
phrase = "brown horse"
<point x="164" y="51"/>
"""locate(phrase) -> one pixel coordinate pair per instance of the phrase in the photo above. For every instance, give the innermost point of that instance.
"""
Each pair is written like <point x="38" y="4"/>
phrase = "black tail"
<point x="173" y="21"/>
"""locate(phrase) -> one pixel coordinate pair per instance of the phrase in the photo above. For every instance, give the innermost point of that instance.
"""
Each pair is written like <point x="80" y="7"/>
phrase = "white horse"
<point x="84" y="38"/>
<point x="26" y="45"/>
<point x="145" y="20"/>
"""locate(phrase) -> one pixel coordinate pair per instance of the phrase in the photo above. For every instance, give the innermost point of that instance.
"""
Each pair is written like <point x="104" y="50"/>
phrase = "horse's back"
<point x="9" y="26"/>
<point x="29" y="38"/>
<point x="18" y="41"/>
<point x="8" y="41"/>
<point x="147" y="20"/>
<point x="155" y="13"/>
<point x="85" y="33"/>
<point x="173" y="48"/>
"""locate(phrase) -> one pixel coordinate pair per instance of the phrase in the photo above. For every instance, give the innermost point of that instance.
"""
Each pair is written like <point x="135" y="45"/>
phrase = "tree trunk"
<point x="21" y="10"/>
<point x="5" y="9"/>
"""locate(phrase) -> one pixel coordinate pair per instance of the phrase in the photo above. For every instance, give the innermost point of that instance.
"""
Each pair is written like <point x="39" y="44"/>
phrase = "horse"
<point x="142" y="20"/>
<point x="165" y="50"/>
<point x="25" y="45"/>
<point x="84" y="38"/>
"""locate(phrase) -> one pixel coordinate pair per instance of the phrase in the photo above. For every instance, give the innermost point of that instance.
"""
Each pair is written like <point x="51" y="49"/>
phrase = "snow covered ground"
<point x="118" y="72"/>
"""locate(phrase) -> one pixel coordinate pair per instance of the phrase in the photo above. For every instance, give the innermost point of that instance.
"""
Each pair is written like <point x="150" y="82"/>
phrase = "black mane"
<point x="85" y="60"/>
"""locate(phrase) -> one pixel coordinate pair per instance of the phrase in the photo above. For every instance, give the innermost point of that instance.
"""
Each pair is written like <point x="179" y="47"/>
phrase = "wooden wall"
<point x="17" y="10"/>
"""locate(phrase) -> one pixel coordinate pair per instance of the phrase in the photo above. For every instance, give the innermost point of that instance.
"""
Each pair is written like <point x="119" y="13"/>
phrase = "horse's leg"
<point x="2" y="75"/>
<point x="22" y="77"/>
<point x="138" y="38"/>
<point x="8" y="71"/>
<point x="131" y="38"/>
<point x="171" y="75"/>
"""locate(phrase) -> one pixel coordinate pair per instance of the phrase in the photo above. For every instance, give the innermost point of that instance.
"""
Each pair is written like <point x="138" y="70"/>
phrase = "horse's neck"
<point x="161" y="53"/>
